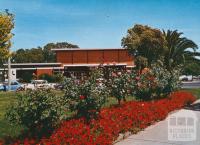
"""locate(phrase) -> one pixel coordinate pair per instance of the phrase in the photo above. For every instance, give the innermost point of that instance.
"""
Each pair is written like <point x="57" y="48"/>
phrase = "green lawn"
<point x="7" y="98"/>
<point x="5" y="128"/>
<point x="196" y="92"/>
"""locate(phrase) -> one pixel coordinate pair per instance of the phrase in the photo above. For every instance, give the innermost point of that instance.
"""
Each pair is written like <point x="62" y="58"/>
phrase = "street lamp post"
<point x="9" y="73"/>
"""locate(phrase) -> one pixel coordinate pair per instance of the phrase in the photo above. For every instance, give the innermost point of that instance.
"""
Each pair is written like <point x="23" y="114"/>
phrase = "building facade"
<point x="76" y="61"/>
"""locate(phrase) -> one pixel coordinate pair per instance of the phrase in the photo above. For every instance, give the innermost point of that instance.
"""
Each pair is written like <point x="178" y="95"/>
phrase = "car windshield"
<point x="12" y="83"/>
<point x="5" y="83"/>
<point x="39" y="82"/>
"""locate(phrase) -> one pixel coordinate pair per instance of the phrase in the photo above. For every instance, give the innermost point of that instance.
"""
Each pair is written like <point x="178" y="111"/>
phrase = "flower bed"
<point x="130" y="116"/>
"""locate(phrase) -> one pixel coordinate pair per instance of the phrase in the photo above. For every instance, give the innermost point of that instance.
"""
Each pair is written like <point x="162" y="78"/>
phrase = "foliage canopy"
<point x="149" y="45"/>
<point x="6" y="26"/>
<point x="39" y="54"/>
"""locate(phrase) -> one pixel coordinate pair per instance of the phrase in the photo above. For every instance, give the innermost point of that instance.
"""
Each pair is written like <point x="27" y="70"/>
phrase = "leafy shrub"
<point x="168" y="81"/>
<point x="157" y="82"/>
<point x="145" y="86"/>
<point x="58" y="77"/>
<point x="141" y="62"/>
<point x="86" y="97"/>
<point x="26" y="76"/>
<point x="51" y="78"/>
<point x="39" y="110"/>
<point x="119" y="85"/>
<point x="47" y="77"/>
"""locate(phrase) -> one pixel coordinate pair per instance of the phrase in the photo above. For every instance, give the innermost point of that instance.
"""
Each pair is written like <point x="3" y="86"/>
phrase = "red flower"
<point x="114" y="120"/>
<point x="137" y="78"/>
<point x="114" y="74"/>
<point x="82" y="97"/>
<point x="151" y="78"/>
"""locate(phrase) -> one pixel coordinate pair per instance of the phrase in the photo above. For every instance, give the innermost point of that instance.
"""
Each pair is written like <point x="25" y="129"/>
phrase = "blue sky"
<point x="97" y="23"/>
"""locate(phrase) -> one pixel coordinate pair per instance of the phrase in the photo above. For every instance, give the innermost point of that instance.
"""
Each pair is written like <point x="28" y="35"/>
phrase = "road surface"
<point x="191" y="84"/>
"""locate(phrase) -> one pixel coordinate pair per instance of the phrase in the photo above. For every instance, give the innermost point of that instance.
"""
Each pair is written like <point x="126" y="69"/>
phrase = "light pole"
<point x="9" y="73"/>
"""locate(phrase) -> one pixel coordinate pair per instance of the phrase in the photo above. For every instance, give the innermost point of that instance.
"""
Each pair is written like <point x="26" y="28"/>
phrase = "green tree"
<point x="39" y="54"/>
<point x="180" y="50"/>
<point x="149" y="45"/>
<point x="36" y="55"/>
<point x="19" y="56"/>
<point x="60" y="45"/>
<point x="33" y="55"/>
<point x="49" y="56"/>
<point x="6" y="26"/>
<point x="146" y="42"/>
<point x="192" y="68"/>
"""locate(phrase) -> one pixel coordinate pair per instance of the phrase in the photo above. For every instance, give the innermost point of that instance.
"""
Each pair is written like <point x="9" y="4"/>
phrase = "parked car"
<point x="196" y="77"/>
<point x="186" y="78"/>
<point x="59" y="86"/>
<point x="1" y="86"/>
<point x="15" y="86"/>
<point x="38" y="84"/>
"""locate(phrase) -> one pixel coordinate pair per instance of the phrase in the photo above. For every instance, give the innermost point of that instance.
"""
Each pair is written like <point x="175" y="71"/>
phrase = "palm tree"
<point x="179" y="50"/>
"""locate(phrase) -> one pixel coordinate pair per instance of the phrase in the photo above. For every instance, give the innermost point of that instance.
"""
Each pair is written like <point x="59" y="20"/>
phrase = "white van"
<point x="38" y="84"/>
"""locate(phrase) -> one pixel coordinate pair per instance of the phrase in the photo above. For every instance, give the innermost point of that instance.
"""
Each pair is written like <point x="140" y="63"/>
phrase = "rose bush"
<point x="86" y="97"/>
<point x="157" y="82"/>
<point x="130" y="116"/>
<point x="119" y="84"/>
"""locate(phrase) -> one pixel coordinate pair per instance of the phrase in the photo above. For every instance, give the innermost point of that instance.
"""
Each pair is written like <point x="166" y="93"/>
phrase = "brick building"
<point x="77" y="61"/>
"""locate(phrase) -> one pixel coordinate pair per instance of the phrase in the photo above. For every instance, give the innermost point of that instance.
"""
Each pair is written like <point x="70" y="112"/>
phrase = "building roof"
<point x="80" y="49"/>
<point x="95" y="64"/>
<point x="33" y="68"/>
<point x="32" y="64"/>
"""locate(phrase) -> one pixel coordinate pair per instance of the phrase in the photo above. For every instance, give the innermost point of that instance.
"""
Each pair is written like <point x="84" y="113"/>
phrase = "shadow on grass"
<point x="8" y="130"/>
<point x="13" y="133"/>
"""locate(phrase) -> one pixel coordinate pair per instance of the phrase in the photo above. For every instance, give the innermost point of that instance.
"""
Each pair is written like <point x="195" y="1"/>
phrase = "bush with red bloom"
<point x="82" y="97"/>
<point x="119" y="85"/>
<point x="156" y="83"/>
<point x="87" y="97"/>
<point x="131" y="116"/>
<point x="1" y="142"/>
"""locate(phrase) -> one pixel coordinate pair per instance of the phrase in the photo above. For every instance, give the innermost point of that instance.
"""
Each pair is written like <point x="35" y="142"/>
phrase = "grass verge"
<point x="195" y="92"/>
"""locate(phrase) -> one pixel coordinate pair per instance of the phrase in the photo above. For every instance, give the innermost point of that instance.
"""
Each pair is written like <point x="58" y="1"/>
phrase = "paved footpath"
<point x="158" y="134"/>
